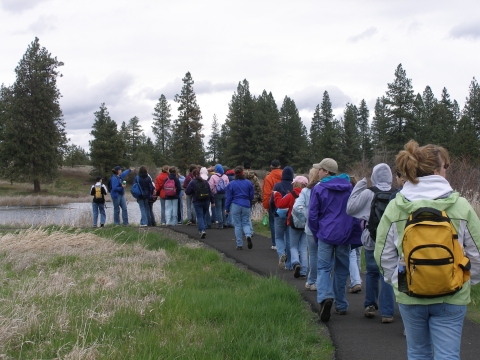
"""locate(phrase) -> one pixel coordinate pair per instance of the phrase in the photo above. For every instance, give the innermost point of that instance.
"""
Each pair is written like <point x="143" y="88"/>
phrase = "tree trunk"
<point x="36" y="185"/>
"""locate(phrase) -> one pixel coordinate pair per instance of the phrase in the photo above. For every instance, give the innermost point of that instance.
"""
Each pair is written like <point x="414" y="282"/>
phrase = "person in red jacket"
<point x="298" y="238"/>
<point x="270" y="180"/>
<point x="159" y="181"/>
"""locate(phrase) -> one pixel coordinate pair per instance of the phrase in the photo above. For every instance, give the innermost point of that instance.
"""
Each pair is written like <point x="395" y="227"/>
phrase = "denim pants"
<point x="201" y="209"/>
<point x="298" y="249"/>
<point x="120" y="203"/>
<point x="271" y="222"/>
<point x="282" y="240"/>
<point x="144" y="211"/>
<point x="171" y="211"/>
<point x="151" y="220"/>
<point x="98" y="208"/>
<point x="220" y="209"/>
<point x="191" y="209"/>
<point x="180" y="210"/>
<point x="241" y="221"/>
<point x="373" y="277"/>
<point x="313" y="259"/>
<point x="163" y="219"/>
<point x="354" y="267"/>
<point x="329" y="257"/>
<point x="433" y="329"/>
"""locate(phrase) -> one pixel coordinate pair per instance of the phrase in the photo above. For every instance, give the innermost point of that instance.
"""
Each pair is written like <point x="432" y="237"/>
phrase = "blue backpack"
<point x="220" y="186"/>
<point x="136" y="190"/>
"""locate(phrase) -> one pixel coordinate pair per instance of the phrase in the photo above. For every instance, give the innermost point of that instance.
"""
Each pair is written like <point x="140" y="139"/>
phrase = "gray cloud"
<point x="310" y="97"/>
<point x="467" y="31"/>
<point x="200" y="87"/>
<point x="18" y="6"/>
<point x="366" y="34"/>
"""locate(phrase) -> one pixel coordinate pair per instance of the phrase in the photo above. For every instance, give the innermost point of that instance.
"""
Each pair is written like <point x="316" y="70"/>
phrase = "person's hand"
<point x="213" y="205"/>
<point x="132" y="169"/>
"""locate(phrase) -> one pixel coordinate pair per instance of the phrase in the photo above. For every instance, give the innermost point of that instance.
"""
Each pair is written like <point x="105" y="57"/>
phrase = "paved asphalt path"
<point x="354" y="336"/>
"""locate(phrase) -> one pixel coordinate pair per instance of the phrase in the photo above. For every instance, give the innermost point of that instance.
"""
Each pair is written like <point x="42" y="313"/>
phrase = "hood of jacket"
<point x="382" y="177"/>
<point x="219" y="169"/>
<point x="339" y="183"/>
<point x="287" y="174"/>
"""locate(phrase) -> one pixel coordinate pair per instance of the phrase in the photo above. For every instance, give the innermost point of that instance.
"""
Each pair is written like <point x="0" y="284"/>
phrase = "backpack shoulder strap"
<point x="294" y="194"/>
<point x="374" y="189"/>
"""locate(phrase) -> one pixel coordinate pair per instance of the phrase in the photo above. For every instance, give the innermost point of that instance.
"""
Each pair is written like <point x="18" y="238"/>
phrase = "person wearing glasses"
<point x="433" y="324"/>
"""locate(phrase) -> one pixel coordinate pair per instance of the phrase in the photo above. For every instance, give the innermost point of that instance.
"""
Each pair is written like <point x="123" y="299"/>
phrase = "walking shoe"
<point x="356" y="289"/>
<point x="239" y="248"/>
<point x="341" y="312"/>
<point x="313" y="287"/>
<point x="273" y="247"/>
<point x="143" y="225"/>
<point x="203" y="234"/>
<point x="101" y="225"/>
<point x="370" y="311"/>
<point x="296" y="274"/>
<point x="387" y="319"/>
<point x="303" y="276"/>
<point x="249" y="240"/>
<point x="325" y="308"/>
<point x="163" y="224"/>
<point x="281" y="262"/>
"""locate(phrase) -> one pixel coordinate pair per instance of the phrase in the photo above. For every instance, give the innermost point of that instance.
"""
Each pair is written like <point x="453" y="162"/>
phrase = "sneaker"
<point x="370" y="311"/>
<point x="143" y="226"/>
<point x="313" y="287"/>
<point x="273" y="247"/>
<point x="249" y="241"/>
<point x="102" y="225"/>
<point x="239" y="248"/>
<point x="179" y="223"/>
<point x="387" y="319"/>
<point x="163" y="224"/>
<point x="281" y="262"/>
<point x="303" y="276"/>
<point x="341" y="312"/>
<point x="356" y="289"/>
<point x="325" y="308"/>
<point x="94" y="226"/>
<point x="203" y="234"/>
<point x="296" y="273"/>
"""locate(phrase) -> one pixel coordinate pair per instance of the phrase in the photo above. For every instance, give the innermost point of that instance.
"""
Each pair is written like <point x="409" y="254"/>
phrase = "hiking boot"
<point x="296" y="273"/>
<point x="356" y="289"/>
<point x="370" y="311"/>
<point x="249" y="241"/>
<point x="325" y="308"/>
<point x="341" y="312"/>
<point x="281" y="262"/>
<point x="203" y="234"/>
<point x="387" y="319"/>
<point x="273" y="247"/>
<point x="239" y="248"/>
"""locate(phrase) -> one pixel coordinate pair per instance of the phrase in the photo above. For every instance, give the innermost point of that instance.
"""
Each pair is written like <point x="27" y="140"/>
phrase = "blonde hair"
<point x="353" y="180"/>
<point x="299" y="185"/>
<point x="165" y="168"/>
<point x="313" y="178"/>
<point x="416" y="161"/>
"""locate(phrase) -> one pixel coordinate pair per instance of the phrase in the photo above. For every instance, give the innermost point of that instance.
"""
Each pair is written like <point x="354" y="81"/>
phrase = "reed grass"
<point x="115" y="293"/>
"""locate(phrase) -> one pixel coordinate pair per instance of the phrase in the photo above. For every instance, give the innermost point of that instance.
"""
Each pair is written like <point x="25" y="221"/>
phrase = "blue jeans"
<point x="151" y="220"/>
<point x="201" y="209"/>
<point x="171" y="211"/>
<point x="282" y="240"/>
<point x="98" y="208"/>
<point x="387" y="297"/>
<point x="144" y="211"/>
<point x="271" y="222"/>
<point x="433" y="329"/>
<point x="313" y="259"/>
<point x="191" y="216"/>
<point x="354" y="267"/>
<point x="298" y="249"/>
<point x="118" y="203"/>
<point x="241" y="221"/>
<point x="163" y="219"/>
<point x="330" y="256"/>
<point x="220" y="209"/>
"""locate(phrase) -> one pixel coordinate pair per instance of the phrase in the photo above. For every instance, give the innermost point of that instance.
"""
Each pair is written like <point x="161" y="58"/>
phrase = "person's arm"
<point x="267" y="192"/>
<point x="251" y="190"/>
<point x="104" y="189"/>
<point x="228" y="201"/>
<point x="282" y="202"/>
<point x="299" y="206"/>
<point x="314" y="212"/>
<point x="92" y="190"/>
<point x="189" y="190"/>
<point x="358" y="204"/>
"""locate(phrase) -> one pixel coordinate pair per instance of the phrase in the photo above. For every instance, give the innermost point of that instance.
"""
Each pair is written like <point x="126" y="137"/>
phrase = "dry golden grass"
<point x="37" y="200"/>
<point x="69" y="264"/>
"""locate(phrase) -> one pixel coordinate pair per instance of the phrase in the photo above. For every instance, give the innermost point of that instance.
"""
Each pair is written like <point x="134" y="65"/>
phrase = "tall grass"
<point x="116" y="293"/>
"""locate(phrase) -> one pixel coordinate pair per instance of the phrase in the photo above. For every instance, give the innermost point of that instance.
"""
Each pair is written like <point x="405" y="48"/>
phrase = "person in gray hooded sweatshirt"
<point x="358" y="206"/>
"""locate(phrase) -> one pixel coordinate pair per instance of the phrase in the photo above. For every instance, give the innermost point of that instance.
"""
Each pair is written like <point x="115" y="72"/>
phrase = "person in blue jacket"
<point x="240" y="194"/>
<point x="118" y="194"/>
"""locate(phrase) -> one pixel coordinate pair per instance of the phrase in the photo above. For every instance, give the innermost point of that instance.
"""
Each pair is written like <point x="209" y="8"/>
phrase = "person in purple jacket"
<point x="333" y="231"/>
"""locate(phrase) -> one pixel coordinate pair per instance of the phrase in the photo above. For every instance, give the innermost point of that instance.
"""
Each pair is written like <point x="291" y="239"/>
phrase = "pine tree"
<point x="161" y="126"/>
<point x="380" y="129"/>
<point x="329" y="144"/>
<point x="351" y="149"/>
<point x="213" y="149"/>
<point x="316" y="131"/>
<point x="427" y="121"/>
<point x="107" y="148"/>
<point x="399" y="101"/>
<point x="472" y="105"/>
<point x="465" y="142"/>
<point x="33" y="130"/>
<point x="75" y="155"/>
<point x="187" y="129"/>
<point x="240" y="120"/>
<point x="135" y="137"/>
<point x="364" y="131"/>
<point x="293" y="138"/>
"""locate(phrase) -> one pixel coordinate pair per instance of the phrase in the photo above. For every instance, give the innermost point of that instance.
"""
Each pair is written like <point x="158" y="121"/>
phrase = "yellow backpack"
<point x="435" y="262"/>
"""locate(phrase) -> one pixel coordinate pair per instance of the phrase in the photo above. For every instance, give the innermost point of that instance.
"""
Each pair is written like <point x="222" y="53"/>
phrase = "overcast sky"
<point x="128" y="53"/>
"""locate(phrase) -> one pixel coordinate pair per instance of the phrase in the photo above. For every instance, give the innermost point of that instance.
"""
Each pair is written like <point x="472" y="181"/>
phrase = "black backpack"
<point x="377" y="208"/>
<point x="201" y="190"/>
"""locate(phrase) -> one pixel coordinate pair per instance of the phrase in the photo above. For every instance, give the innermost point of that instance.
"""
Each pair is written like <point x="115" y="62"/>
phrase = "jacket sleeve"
<point x="104" y="190"/>
<point x="314" y="211"/>
<point x="470" y="232"/>
<point x="267" y="191"/>
<point x="124" y="174"/>
<point x="251" y="191"/>
<point x="229" y="197"/>
<point x="189" y="190"/>
<point x="92" y="191"/>
<point x="282" y="202"/>
<point x="358" y="204"/>
<point x="178" y="187"/>
<point x="212" y="183"/>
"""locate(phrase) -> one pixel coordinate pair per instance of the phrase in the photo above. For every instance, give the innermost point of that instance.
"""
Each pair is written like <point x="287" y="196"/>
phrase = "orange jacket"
<point x="271" y="179"/>
<point x="159" y="181"/>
